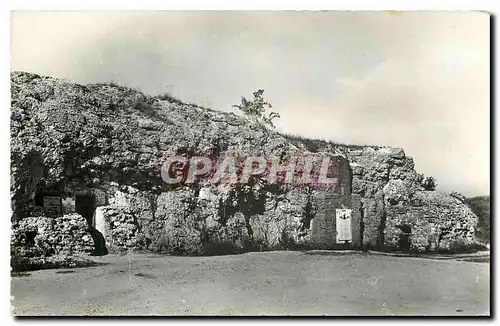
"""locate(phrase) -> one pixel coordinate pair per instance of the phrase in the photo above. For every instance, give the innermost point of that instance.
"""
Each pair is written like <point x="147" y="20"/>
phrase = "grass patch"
<point x="110" y="84"/>
<point x="315" y="144"/>
<point x="476" y="259"/>
<point x="168" y="97"/>
<point x="23" y="264"/>
<point x="481" y="207"/>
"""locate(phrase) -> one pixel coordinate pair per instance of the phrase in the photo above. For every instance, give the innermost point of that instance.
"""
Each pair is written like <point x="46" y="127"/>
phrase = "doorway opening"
<point x="85" y="205"/>
<point x="30" y="238"/>
<point x="404" y="238"/>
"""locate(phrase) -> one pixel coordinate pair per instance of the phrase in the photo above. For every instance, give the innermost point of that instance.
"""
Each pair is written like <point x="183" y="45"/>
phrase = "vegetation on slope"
<point x="480" y="205"/>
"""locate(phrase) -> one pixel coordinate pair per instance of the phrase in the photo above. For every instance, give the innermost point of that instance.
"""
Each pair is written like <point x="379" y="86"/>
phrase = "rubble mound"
<point x="39" y="241"/>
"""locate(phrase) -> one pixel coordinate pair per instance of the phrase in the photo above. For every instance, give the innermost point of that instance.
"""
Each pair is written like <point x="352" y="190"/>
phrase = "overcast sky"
<point x="417" y="80"/>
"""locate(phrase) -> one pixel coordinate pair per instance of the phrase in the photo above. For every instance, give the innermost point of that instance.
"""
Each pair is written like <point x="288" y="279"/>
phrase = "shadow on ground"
<point x="476" y="257"/>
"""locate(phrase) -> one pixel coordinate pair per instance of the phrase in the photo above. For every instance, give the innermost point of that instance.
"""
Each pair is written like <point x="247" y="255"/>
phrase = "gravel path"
<point x="272" y="283"/>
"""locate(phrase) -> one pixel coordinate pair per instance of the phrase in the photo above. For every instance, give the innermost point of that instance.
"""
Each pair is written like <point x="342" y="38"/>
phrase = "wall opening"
<point x="404" y="238"/>
<point x="30" y="237"/>
<point x="85" y="205"/>
<point x="39" y="199"/>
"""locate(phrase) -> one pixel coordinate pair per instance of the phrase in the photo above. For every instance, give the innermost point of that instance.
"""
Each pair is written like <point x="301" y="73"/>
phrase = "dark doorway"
<point x="30" y="238"/>
<point x="404" y="238"/>
<point x="85" y="206"/>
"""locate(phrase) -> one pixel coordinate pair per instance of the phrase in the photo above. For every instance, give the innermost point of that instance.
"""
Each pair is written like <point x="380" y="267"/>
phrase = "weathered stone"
<point x="47" y="236"/>
<point x="124" y="137"/>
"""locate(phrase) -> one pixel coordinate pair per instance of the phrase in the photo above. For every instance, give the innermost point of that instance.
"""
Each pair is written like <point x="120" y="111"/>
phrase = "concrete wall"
<point x="327" y="201"/>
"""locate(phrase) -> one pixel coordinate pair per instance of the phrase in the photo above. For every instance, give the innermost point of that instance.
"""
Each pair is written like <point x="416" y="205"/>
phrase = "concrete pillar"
<point x="100" y="224"/>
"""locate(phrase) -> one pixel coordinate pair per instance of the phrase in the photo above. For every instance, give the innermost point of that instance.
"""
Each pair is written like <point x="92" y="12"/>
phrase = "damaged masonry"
<point x="87" y="179"/>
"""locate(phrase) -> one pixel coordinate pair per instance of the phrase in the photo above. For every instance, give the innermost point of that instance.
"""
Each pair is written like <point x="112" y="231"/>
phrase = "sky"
<point x="415" y="80"/>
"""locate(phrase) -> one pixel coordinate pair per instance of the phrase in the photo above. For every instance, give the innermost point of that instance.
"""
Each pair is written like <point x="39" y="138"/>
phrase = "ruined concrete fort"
<point x="86" y="178"/>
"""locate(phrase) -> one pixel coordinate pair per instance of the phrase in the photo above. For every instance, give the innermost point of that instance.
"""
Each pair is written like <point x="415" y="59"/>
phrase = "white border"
<point x="480" y="5"/>
<point x="253" y="5"/>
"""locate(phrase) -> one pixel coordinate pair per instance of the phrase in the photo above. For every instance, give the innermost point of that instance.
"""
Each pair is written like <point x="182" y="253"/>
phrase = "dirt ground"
<point x="271" y="283"/>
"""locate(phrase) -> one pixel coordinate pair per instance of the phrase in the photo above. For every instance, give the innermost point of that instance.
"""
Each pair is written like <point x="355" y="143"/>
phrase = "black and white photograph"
<point x="250" y="163"/>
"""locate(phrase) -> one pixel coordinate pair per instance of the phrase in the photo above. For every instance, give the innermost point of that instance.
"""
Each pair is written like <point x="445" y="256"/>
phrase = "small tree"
<point x="256" y="109"/>
<point x="429" y="183"/>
